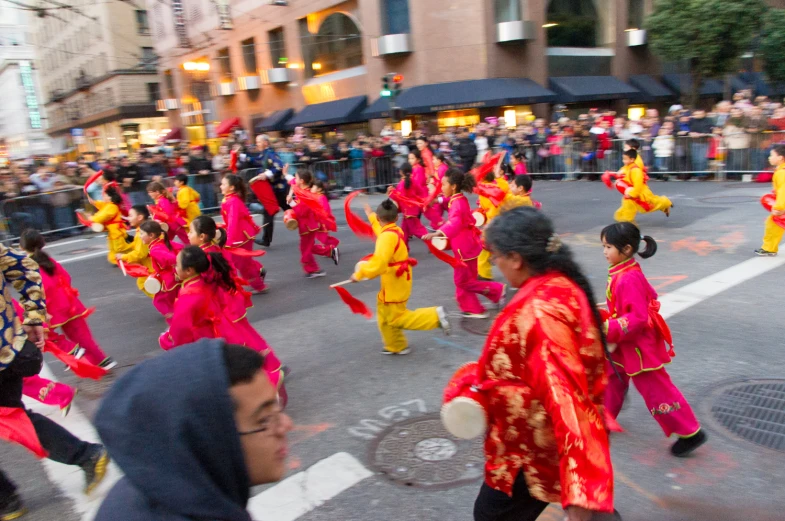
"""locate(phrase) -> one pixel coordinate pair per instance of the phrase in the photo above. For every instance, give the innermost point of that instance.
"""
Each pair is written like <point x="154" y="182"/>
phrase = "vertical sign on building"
<point x="31" y="100"/>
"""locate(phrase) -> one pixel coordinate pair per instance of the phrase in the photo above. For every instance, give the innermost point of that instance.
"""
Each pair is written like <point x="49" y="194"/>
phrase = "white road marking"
<point x="58" y="244"/>
<point x="82" y="257"/>
<point x="299" y="494"/>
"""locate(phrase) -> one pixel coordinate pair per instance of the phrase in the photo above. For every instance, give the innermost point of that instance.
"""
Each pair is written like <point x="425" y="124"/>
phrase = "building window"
<point x="507" y="10"/>
<point x="169" y="82"/>
<point x="337" y="46"/>
<point x="224" y="63"/>
<point x="277" y="48"/>
<point x="153" y="92"/>
<point x="581" y="23"/>
<point x="142" y="25"/>
<point x="149" y="58"/>
<point x="249" y="55"/>
<point x="395" y="15"/>
<point x="635" y="14"/>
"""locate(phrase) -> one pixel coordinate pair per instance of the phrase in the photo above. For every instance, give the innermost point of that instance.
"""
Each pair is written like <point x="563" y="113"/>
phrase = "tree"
<point x="710" y="34"/>
<point x="772" y="45"/>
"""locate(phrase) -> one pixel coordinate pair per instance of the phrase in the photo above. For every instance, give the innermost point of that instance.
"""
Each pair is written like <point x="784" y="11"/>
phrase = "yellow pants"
<point x="629" y="209"/>
<point x="484" y="269"/>
<point x="394" y="318"/>
<point x="117" y="246"/>
<point x="772" y="236"/>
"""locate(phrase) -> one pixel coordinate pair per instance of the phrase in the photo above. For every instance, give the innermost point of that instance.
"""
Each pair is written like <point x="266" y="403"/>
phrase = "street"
<point x="367" y="443"/>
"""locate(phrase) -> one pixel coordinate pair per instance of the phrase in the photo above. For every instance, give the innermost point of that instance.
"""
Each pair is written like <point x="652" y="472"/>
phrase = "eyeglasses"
<point x="269" y="424"/>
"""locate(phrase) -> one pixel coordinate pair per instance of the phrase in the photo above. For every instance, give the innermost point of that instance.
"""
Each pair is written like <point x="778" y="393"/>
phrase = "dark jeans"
<point x="204" y="185"/>
<point x="268" y="220"/>
<point x="492" y="505"/>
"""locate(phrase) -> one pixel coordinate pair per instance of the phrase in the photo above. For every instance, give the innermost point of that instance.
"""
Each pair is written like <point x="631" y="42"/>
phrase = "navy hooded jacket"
<point x="169" y="424"/>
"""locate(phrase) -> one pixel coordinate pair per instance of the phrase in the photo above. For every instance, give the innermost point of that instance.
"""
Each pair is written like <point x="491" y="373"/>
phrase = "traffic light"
<point x="397" y="84"/>
<point x="386" y="92"/>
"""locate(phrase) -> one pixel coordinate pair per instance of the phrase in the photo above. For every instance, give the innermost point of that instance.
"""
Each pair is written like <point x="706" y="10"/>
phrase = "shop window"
<point x="337" y="46"/>
<point x="636" y="112"/>
<point x="507" y="10"/>
<point x="395" y="16"/>
<point x="277" y="47"/>
<point x="249" y="55"/>
<point x="580" y="23"/>
<point x="458" y="118"/>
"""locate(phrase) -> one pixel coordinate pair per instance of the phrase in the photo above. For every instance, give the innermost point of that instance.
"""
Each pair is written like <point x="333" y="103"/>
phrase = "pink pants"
<point x="434" y="215"/>
<point x="665" y="402"/>
<point x="164" y="302"/>
<point x="412" y="226"/>
<point x="179" y="232"/>
<point x="78" y="331"/>
<point x="307" y="250"/>
<point x="47" y="391"/>
<point x="467" y="287"/>
<point x="326" y="239"/>
<point x="252" y="339"/>
<point x="249" y="269"/>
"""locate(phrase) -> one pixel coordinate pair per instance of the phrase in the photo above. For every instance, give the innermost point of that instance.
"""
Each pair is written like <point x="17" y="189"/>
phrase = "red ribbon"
<point x="449" y="259"/>
<point x="311" y="200"/>
<point x="361" y="229"/>
<point x="92" y="179"/>
<point x="81" y="368"/>
<point x="16" y="427"/>
<point x="357" y="306"/>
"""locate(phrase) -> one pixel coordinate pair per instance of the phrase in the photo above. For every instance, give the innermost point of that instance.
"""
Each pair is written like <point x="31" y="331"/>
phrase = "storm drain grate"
<point x="753" y="410"/>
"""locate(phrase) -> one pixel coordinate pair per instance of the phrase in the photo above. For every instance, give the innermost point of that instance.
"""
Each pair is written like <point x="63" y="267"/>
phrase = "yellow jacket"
<point x="139" y="254"/>
<point x="503" y="184"/>
<point x="639" y="162"/>
<point x="634" y="175"/>
<point x="486" y="204"/>
<point x="187" y="199"/>
<point x="513" y="201"/>
<point x="109" y="215"/>
<point x="388" y="258"/>
<point x="778" y="183"/>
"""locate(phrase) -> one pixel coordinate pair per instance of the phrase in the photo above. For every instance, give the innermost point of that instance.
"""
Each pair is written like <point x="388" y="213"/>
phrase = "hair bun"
<point x="219" y="235"/>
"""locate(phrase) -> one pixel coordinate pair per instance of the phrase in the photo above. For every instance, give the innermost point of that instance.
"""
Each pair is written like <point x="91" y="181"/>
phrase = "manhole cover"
<point x="419" y="452"/>
<point x="477" y="326"/>
<point x="79" y="251"/>
<point x="729" y="199"/>
<point x="753" y="410"/>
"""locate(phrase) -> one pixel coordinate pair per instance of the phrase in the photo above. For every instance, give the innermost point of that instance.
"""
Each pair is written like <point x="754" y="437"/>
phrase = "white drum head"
<point x="97" y="227"/>
<point x="612" y="347"/>
<point x="464" y="418"/>
<point x="152" y="285"/>
<point x="440" y="243"/>
<point x="164" y="226"/>
<point x="479" y="218"/>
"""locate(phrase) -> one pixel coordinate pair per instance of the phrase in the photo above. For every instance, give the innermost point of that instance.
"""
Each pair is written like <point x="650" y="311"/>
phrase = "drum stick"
<point x="342" y="283"/>
<point x="122" y="267"/>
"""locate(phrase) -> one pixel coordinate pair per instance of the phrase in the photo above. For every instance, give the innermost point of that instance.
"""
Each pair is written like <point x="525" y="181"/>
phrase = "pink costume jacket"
<point x="631" y="300"/>
<point x="236" y="303"/>
<point x="164" y="262"/>
<point x="459" y="228"/>
<point x="415" y="191"/>
<point x="197" y="314"/>
<point x="420" y="180"/>
<point x="240" y="227"/>
<point x="62" y="299"/>
<point x="173" y="211"/>
<point x="427" y="159"/>
<point x="307" y="221"/>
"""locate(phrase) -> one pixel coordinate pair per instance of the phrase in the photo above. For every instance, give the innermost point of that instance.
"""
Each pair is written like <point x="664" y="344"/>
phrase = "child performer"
<point x="166" y="202"/>
<point x="634" y="144"/>
<point x="494" y="181"/>
<point x="187" y="199"/>
<point x="110" y="216"/>
<point x="329" y="244"/>
<point x="308" y="225"/>
<point x="391" y="262"/>
<point x="641" y="353"/>
<point x="409" y="189"/>
<point x="140" y="253"/>
<point x="434" y="210"/>
<point x="163" y="255"/>
<point x="520" y="193"/>
<point x="772" y="235"/>
<point x="638" y="195"/>
<point x="62" y="301"/>
<point x="465" y="241"/>
<point x="518" y="164"/>
<point x="240" y="232"/>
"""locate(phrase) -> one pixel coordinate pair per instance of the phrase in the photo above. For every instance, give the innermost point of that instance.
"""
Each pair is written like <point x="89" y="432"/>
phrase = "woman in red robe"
<point x="543" y="366"/>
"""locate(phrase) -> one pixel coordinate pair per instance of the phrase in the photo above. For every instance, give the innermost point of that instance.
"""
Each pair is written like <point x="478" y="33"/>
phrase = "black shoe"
<point x="763" y="253"/>
<point x="685" y="446"/>
<point x="262" y="243"/>
<point x="335" y="255"/>
<point x="12" y="508"/>
<point x="95" y="468"/>
<point x="108" y="363"/>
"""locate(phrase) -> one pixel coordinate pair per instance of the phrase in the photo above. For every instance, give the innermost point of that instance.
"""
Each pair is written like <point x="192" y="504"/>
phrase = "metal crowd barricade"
<point x="51" y="213"/>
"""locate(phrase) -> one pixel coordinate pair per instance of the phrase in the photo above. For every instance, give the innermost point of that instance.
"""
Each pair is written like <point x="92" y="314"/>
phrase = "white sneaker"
<point x="394" y="353"/>
<point x="443" y="320"/>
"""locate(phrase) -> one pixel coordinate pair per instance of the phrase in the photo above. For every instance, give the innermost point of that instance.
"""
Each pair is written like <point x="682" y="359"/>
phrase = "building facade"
<point x="97" y="67"/>
<point x="22" y="116"/>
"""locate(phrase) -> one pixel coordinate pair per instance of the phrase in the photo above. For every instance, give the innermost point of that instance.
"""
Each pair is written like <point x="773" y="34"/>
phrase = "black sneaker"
<point x="315" y="275"/>
<point x="395" y="353"/>
<point x="764" y="253"/>
<point x="95" y="468"/>
<point x="12" y="508"/>
<point x="335" y="255"/>
<point x="108" y="363"/>
<point x="685" y="446"/>
<point x="77" y="352"/>
<point x="262" y="243"/>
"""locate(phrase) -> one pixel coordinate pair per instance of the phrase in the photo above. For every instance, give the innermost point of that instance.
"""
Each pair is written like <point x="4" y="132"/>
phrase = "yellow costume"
<point x="491" y="211"/>
<point x="514" y="201"/>
<point x="635" y="177"/>
<point x="391" y="263"/>
<point x="772" y="235"/>
<point x="188" y="200"/>
<point x="109" y="215"/>
<point x="139" y="254"/>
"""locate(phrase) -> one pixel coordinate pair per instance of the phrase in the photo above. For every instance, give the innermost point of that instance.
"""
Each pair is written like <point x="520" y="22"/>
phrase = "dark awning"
<point x="681" y="84"/>
<point x="757" y="82"/>
<point x="275" y="121"/>
<point x="574" y="89"/>
<point x="469" y="94"/>
<point x="348" y="110"/>
<point x="651" y="89"/>
<point x="378" y="109"/>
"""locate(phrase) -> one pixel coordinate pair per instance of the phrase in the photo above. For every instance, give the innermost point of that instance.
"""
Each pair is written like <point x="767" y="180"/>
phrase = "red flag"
<point x="81" y="368"/>
<point x="449" y="259"/>
<point x="361" y="229"/>
<point x="16" y="427"/>
<point x="92" y="179"/>
<point x="83" y="220"/>
<point x="311" y="200"/>
<point x="136" y="270"/>
<point x="488" y="165"/>
<point x="357" y="306"/>
<point x="240" y="252"/>
<point x="157" y="213"/>
<point x="492" y="192"/>
<point x="263" y="191"/>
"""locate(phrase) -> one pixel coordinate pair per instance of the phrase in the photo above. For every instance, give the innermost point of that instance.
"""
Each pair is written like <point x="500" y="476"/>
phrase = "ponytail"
<point x="205" y="225"/>
<point x="201" y="262"/>
<point x="462" y="181"/>
<point x="154" y="228"/>
<point x="621" y="235"/>
<point x="406" y="172"/>
<point x="33" y="242"/>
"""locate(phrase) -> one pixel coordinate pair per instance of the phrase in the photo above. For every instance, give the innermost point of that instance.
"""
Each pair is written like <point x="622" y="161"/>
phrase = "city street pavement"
<point x="356" y="411"/>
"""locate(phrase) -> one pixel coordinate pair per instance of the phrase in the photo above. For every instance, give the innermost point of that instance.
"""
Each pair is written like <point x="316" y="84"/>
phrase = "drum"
<point x="622" y="185"/>
<point x="164" y="226"/>
<point x="608" y="178"/>
<point x="479" y="217"/>
<point x="97" y="227"/>
<point x="440" y="243"/>
<point x="152" y="285"/>
<point x="289" y="220"/>
<point x="768" y="201"/>
<point x="464" y="411"/>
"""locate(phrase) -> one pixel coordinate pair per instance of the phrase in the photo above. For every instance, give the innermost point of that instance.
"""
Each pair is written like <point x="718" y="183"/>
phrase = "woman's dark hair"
<point x="518" y="156"/>
<point x="631" y="153"/>
<point x="182" y="178"/>
<point x="463" y="181"/>
<point x="417" y="155"/>
<point x="524" y="181"/>
<point x="33" y="242"/>
<point x="157" y="187"/>
<point x="142" y="210"/>
<point x="242" y="363"/>
<point x="114" y="195"/>
<point x="621" y="235"/>
<point x="528" y="232"/>
<point x="108" y="176"/>
<point x="441" y="156"/>
<point x="238" y="185"/>
<point x="204" y="224"/>
<point x="387" y="211"/>
<point x="779" y="149"/>
<point x="406" y="173"/>
<point x="305" y="176"/>
<point x="201" y="262"/>
<point x="318" y="183"/>
<point x="154" y="228"/>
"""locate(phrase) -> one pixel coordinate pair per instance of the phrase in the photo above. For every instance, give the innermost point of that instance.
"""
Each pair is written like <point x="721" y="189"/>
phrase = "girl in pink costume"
<point x="465" y="241"/>
<point x="308" y="226"/>
<point x="63" y="306"/>
<point x="640" y="335"/>
<point x="434" y="210"/>
<point x="163" y="255"/>
<point x="410" y="207"/>
<point x="167" y="204"/>
<point x="329" y="244"/>
<point x="240" y="231"/>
